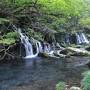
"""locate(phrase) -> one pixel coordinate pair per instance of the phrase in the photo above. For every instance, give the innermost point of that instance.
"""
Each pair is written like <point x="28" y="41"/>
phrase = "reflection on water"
<point x="30" y="70"/>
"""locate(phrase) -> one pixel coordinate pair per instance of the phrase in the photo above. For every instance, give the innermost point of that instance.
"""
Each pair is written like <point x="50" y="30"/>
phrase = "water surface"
<point x="39" y="71"/>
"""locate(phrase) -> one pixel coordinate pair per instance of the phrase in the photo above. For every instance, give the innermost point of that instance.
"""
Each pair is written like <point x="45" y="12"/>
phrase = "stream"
<point x="39" y="73"/>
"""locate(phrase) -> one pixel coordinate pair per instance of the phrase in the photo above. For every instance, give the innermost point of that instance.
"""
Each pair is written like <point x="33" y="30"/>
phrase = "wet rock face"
<point x="23" y="53"/>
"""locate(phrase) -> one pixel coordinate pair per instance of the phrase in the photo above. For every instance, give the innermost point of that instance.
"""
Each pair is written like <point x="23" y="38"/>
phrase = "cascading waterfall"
<point x="46" y="48"/>
<point x="28" y="46"/>
<point x="84" y="38"/>
<point x="40" y="47"/>
<point x="81" y="38"/>
<point x="78" y="38"/>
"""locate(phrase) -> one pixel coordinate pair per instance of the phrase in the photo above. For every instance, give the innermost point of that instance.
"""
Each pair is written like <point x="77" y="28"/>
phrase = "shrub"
<point x="9" y="38"/>
<point x="60" y="86"/>
<point x="86" y="81"/>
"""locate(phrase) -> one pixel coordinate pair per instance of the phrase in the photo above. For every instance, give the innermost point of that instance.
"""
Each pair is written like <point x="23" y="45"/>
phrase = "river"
<point x="39" y="73"/>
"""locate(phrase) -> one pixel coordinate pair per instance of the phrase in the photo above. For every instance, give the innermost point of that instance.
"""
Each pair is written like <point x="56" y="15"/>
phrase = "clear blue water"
<point x="31" y="70"/>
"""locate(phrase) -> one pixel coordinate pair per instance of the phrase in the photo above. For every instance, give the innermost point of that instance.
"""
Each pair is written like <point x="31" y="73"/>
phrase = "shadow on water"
<point x="30" y="71"/>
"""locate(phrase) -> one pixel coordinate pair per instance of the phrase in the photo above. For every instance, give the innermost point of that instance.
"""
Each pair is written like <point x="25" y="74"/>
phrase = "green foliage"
<point x="58" y="11"/>
<point x="86" y="81"/>
<point x="11" y="35"/>
<point x="35" y="35"/>
<point x="55" y="13"/>
<point x="62" y="7"/>
<point x="9" y="38"/>
<point x="56" y="23"/>
<point x="4" y="20"/>
<point x="17" y="2"/>
<point x="87" y="11"/>
<point x="61" y="13"/>
<point x="7" y="41"/>
<point x="85" y="21"/>
<point x="51" y="21"/>
<point x="60" y="86"/>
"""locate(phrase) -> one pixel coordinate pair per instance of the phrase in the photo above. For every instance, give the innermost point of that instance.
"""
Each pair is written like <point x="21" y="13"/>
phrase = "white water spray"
<point x="81" y="38"/>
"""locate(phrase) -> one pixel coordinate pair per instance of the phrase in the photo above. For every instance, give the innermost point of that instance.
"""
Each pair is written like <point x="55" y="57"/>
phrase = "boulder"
<point x="75" y="88"/>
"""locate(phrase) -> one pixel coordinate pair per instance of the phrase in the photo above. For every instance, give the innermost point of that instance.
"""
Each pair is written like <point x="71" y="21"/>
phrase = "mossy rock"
<point x="44" y="54"/>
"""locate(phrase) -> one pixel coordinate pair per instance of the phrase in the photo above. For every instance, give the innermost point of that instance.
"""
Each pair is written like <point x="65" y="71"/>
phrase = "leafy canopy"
<point x="66" y="7"/>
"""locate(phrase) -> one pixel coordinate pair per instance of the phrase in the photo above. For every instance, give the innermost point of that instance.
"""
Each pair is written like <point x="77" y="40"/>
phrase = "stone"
<point x="74" y="88"/>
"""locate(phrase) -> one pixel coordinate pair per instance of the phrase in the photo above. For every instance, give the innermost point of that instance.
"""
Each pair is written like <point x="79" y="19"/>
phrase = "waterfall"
<point x="46" y="48"/>
<point x="81" y="38"/>
<point x="34" y="55"/>
<point x="85" y="38"/>
<point x="78" y="38"/>
<point x="28" y="46"/>
<point x="40" y="47"/>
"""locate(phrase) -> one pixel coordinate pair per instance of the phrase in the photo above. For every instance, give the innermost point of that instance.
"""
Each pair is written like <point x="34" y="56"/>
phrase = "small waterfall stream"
<point x="85" y="38"/>
<point x="28" y="46"/>
<point x="81" y="38"/>
<point x="40" y="47"/>
<point x="78" y="38"/>
<point x="45" y="48"/>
